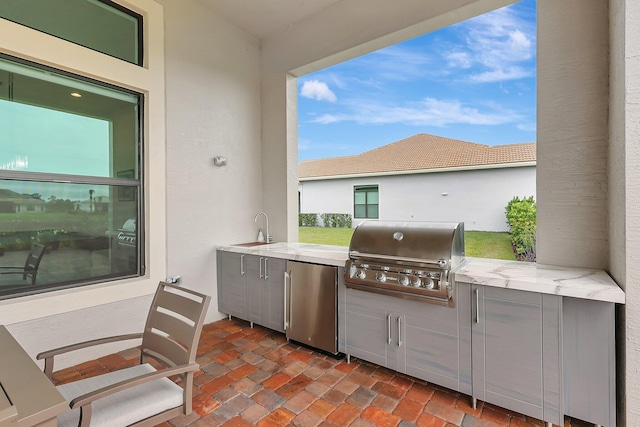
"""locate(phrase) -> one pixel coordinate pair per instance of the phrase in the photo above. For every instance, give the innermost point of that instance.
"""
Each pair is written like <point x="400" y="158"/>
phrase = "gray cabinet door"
<point x="367" y="327"/>
<point x="274" y="300"/>
<point x="412" y="337"/>
<point x="232" y="284"/>
<point x="510" y="366"/>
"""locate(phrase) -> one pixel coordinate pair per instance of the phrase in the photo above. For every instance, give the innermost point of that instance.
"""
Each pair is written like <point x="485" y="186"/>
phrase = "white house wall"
<point x="475" y="197"/>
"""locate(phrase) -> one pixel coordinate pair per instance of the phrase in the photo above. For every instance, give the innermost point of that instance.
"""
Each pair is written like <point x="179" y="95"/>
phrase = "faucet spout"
<point x="266" y="219"/>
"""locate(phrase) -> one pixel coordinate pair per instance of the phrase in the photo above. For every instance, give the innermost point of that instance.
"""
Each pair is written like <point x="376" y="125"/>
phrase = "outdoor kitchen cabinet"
<point x="516" y="348"/>
<point x="251" y="288"/>
<point x="232" y="284"/>
<point x="265" y="291"/>
<point x="413" y="337"/>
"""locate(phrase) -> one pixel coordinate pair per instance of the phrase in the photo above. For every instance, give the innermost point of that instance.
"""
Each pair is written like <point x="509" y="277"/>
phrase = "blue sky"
<point x="474" y="81"/>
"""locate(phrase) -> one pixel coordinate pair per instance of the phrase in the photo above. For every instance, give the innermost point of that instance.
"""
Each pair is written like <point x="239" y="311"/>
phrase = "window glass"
<point x="360" y="198"/>
<point x="55" y="124"/>
<point x="69" y="179"/>
<point x="365" y="202"/>
<point x="100" y="25"/>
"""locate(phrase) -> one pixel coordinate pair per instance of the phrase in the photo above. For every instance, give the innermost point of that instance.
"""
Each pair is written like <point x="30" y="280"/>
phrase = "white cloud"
<point x="317" y="90"/>
<point x="326" y="119"/>
<point x="527" y="127"/>
<point x="458" y="59"/>
<point x="497" y="45"/>
<point x="499" y="75"/>
<point x="428" y="112"/>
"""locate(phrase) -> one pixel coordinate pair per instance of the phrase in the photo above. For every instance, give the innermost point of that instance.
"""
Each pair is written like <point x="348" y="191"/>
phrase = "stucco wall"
<point x="572" y="141"/>
<point x="475" y="197"/>
<point x="213" y="109"/>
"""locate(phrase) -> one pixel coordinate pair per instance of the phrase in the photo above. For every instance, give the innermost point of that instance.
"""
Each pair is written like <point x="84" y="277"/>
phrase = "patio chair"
<point x="140" y="395"/>
<point x="31" y="265"/>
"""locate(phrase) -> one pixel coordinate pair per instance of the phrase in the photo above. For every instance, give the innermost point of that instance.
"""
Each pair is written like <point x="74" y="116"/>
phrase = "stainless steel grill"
<point x="411" y="260"/>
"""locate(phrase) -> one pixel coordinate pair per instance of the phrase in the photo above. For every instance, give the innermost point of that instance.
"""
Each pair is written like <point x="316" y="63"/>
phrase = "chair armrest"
<point x="88" y="398"/>
<point x="50" y="354"/>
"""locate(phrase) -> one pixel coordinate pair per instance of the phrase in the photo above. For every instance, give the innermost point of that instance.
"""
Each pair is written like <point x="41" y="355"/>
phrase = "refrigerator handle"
<point x="290" y="298"/>
<point x="286" y="276"/>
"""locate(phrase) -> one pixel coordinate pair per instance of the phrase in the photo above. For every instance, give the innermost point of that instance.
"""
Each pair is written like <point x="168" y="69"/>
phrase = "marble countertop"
<point x="547" y="279"/>
<point x="305" y="252"/>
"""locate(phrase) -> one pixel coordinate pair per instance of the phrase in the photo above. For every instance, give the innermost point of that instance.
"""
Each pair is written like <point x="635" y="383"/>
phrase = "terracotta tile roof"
<point x="419" y="152"/>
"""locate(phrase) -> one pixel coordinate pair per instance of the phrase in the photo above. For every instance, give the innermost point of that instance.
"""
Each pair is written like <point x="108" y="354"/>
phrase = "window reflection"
<point x="89" y="232"/>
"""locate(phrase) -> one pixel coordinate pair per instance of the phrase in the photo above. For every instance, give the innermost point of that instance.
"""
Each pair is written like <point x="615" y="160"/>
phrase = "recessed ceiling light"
<point x="76" y="95"/>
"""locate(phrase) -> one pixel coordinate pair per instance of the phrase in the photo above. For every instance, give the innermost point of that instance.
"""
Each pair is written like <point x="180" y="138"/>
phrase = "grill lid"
<point x="432" y="244"/>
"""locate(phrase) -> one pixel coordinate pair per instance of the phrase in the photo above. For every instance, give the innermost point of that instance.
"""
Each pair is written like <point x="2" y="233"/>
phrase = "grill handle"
<point x="442" y="262"/>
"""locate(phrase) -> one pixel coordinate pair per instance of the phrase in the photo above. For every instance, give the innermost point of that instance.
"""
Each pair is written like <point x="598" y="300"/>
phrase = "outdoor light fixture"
<point x="219" y="161"/>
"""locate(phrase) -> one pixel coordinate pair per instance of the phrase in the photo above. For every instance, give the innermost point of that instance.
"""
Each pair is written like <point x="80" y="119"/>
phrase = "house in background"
<point x="12" y="202"/>
<point x="422" y="178"/>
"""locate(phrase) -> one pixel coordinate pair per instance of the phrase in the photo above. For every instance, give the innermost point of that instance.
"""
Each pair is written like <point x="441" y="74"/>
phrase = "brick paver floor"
<point x="253" y="376"/>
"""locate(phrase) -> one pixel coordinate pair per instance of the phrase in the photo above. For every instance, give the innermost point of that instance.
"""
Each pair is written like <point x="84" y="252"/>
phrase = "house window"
<point x="100" y="25"/>
<point x="70" y="178"/>
<point x="365" y="201"/>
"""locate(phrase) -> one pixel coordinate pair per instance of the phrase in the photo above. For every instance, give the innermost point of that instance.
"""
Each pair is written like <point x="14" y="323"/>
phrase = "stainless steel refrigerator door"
<point x="311" y="309"/>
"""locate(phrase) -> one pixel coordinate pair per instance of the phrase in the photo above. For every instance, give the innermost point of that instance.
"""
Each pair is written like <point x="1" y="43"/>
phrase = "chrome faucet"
<point x="266" y="218"/>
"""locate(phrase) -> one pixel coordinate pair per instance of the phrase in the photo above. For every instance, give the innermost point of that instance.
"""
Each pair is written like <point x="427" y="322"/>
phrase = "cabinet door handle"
<point x="261" y="275"/>
<point x="477" y="292"/>
<point x="286" y="276"/>
<point x="290" y="298"/>
<point x="399" y="331"/>
<point x="266" y="274"/>
<point x="242" y="265"/>
<point x="388" y="329"/>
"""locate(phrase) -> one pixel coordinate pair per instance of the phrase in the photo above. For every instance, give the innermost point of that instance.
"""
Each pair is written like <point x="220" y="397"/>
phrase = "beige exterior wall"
<point x="572" y="133"/>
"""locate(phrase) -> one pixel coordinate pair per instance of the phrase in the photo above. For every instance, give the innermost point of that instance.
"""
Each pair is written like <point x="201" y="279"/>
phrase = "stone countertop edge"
<point x="585" y="283"/>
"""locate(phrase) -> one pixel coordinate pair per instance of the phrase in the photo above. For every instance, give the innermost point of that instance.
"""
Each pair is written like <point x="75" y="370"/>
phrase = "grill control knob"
<point x="360" y="274"/>
<point x="381" y="277"/>
<point x="429" y="284"/>
<point x="404" y="280"/>
<point x="416" y="282"/>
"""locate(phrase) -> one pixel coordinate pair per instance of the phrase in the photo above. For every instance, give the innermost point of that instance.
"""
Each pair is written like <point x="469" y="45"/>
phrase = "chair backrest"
<point x="33" y="259"/>
<point x="174" y="324"/>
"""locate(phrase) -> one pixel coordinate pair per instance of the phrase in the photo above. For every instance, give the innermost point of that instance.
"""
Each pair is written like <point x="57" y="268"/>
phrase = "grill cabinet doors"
<point x="412" y="337"/>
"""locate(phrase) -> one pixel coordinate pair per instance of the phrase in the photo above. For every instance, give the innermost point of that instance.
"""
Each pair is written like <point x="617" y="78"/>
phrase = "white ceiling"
<point x="262" y="18"/>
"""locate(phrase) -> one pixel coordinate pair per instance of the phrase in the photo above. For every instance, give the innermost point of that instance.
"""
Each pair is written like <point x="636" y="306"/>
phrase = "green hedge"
<point x="328" y="220"/>
<point x="521" y="217"/>
<point x="308" y="220"/>
<point x="336" y="220"/>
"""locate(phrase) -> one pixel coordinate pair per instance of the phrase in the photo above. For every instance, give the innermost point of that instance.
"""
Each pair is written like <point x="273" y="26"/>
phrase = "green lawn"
<point x="481" y="244"/>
